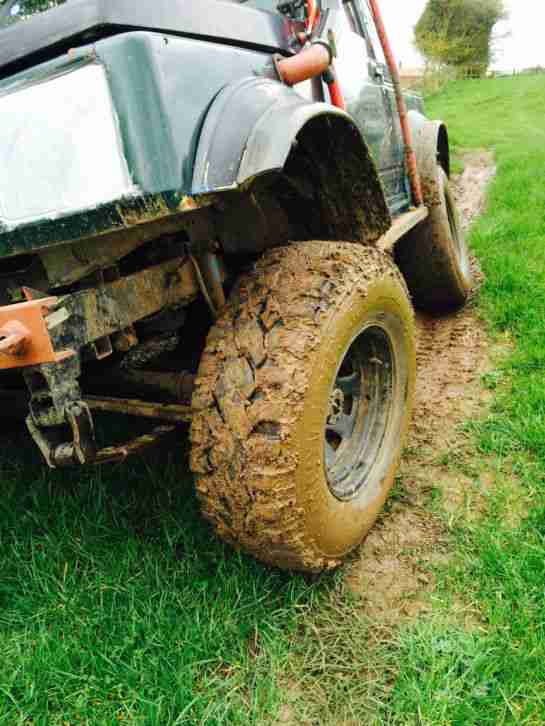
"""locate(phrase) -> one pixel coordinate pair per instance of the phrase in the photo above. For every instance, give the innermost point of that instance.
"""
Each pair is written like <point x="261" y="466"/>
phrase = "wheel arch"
<point x="259" y="129"/>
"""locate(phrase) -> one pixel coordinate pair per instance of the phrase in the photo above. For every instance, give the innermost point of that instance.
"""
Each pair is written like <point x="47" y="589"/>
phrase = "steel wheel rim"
<point x="360" y="412"/>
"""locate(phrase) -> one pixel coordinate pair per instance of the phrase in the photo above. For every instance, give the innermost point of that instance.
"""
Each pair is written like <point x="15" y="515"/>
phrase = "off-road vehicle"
<point x="212" y="211"/>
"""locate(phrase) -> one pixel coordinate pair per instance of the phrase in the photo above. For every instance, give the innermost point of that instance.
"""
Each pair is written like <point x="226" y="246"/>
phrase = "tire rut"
<point x="392" y="570"/>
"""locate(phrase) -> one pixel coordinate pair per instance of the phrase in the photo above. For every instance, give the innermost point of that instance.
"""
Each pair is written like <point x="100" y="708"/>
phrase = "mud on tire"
<point x="434" y="257"/>
<point x="268" y="477"/>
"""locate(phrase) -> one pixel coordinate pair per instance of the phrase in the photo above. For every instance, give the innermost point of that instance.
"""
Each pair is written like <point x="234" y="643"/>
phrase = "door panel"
<point x="394" y="135"/>
<point x="370" y="96"/>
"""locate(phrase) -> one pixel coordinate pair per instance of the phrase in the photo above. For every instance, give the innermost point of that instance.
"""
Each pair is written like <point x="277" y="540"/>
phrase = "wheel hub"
<point x="336" y="407"/>
<point x="359" y="411"/>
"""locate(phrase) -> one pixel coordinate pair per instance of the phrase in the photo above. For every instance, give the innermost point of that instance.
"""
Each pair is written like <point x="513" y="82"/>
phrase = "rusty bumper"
<point x="51" y="329"/>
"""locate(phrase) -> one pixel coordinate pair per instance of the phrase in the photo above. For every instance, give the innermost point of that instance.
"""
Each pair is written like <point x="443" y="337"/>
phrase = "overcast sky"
<point x="523" y="48"/>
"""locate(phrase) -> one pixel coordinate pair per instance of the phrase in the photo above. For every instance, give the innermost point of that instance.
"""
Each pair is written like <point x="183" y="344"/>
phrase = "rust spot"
<point x="154" y="209"/>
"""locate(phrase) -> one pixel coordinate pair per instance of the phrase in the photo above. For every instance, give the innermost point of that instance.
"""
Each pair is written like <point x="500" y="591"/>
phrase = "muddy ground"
<point x="392" y="569"/>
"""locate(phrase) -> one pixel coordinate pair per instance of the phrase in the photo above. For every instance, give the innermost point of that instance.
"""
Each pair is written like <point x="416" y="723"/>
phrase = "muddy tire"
<point x="434" y="257"/>
<point x="302" y="402"/>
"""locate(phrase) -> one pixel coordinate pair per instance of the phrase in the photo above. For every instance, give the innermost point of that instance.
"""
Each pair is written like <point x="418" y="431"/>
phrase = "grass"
<point x="118" y="606"/>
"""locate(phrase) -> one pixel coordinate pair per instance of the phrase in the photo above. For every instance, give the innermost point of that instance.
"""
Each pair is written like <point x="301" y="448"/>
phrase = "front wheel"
<point x="302" y="403"/>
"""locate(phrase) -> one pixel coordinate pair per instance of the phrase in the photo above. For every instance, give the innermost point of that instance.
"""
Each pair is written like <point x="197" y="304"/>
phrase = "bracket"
<point x="24" y="335"/>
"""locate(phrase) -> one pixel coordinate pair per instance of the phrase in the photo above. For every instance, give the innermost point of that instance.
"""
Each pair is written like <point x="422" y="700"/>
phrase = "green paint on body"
<point x="160" y="96"/>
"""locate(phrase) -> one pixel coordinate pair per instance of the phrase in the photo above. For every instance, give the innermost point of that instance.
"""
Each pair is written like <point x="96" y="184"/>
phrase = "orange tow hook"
<point x="14" y="338"/>
<point x="24" y="335"/>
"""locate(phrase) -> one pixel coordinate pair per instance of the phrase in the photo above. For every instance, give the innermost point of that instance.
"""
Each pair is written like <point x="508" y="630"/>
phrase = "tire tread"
<point x="251" y="387"/>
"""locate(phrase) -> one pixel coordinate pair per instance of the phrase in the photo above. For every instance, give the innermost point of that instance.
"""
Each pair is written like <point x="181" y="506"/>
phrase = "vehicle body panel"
<point x="161" y="98"/>
<point x="81" y="164"/>
<point x="162" y="86"/>
<point x="80" y="22"/>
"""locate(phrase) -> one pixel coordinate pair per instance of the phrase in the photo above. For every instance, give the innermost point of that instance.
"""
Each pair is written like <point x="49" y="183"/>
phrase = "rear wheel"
<point x="302" y="403"/>
<point x="434" y="257"/>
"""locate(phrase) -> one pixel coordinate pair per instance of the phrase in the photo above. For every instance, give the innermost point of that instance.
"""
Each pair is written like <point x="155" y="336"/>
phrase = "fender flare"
<point x="250" y="130"/>
<point x="431" y="145"/>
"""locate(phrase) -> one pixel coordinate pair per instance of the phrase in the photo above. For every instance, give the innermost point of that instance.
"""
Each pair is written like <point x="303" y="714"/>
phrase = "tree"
<point x="13" y="10"/>
<point x="459" y="33"/>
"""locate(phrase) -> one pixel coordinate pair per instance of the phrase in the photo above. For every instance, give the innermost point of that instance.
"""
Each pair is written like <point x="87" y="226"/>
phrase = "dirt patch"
<point x="392" y="571"/>
<point x="471" y="186"/>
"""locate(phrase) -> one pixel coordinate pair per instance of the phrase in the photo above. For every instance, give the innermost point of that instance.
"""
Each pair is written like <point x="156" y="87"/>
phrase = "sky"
<point x="524" y="46"/>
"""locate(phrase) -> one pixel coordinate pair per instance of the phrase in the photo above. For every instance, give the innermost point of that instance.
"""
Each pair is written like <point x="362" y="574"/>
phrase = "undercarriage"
<point x="66" y="348"/>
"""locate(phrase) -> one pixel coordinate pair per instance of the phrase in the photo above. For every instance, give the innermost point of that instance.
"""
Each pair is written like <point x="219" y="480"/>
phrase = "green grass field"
<point x="118" y="606"/>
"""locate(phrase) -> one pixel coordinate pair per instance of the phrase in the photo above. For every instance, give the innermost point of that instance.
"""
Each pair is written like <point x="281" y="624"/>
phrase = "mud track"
<point x="392" y="569"/>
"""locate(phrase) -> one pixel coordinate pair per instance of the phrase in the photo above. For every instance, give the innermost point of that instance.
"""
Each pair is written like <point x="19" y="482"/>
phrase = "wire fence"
<point x="431" y="80"/>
